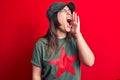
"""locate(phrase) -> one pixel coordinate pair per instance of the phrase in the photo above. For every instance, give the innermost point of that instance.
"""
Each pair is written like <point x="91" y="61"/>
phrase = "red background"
<point x="22" y="22"/>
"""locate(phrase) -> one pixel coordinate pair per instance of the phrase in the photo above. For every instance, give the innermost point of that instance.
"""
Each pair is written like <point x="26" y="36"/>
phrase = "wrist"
<point x="78" y="35"/>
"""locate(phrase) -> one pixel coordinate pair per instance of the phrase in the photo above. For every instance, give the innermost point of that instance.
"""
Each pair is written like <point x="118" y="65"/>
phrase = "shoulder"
<point x="41" y="41"/>
<point x="72" y="42"/>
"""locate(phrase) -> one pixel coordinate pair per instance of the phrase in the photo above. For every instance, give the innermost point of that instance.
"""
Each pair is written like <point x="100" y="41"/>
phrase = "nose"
<point x="68" y="12"/>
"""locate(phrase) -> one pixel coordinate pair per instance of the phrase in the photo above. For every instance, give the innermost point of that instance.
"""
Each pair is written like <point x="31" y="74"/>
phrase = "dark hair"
<point x="52" y="34"/>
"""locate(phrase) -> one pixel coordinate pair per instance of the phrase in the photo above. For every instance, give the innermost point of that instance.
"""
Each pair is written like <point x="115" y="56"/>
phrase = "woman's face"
<point x="64" y="17"/>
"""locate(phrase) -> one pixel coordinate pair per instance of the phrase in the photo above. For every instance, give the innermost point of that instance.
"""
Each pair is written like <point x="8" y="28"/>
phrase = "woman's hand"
<point x="75" y="25"/>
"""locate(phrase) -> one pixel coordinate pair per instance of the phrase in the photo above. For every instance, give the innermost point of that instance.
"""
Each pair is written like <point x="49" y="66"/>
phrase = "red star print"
<point x="64" y="63"/>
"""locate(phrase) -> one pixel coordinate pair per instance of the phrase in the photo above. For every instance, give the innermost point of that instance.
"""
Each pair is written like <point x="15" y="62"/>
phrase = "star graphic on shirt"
<point x="64" y="63"/>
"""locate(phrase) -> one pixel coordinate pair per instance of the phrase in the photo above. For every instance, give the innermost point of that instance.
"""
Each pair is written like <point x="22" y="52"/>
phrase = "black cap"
<point x="57" y="6"/>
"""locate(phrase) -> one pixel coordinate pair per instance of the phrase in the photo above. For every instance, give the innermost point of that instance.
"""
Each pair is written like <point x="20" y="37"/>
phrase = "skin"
<point x="65" y="27"/>
<point x="85" y="54"/>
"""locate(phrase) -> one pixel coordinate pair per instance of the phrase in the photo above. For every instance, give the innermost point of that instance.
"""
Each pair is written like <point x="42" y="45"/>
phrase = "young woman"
<point x="58" y="55"/>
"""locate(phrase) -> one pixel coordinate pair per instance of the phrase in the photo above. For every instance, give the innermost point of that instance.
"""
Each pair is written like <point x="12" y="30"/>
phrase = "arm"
<point x="85" y="53"/>
<point x="36" y="73"/>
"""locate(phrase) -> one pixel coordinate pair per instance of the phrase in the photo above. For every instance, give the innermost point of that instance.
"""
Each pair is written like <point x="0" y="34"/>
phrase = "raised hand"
<point x="75" y="25"/>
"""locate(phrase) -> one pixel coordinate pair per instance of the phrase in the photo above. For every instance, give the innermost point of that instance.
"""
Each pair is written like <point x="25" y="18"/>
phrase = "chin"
<point x="68" y="30"/>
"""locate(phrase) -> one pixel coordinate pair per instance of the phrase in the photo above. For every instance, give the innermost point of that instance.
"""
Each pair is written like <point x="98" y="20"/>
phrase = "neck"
<point x="61" y="34"/>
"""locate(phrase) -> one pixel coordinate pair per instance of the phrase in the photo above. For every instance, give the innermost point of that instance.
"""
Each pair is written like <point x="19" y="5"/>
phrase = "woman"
<point x="57" y="56"/>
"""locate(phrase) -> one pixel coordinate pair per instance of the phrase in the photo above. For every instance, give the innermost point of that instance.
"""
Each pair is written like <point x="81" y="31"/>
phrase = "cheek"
<point x="61" y="18"/>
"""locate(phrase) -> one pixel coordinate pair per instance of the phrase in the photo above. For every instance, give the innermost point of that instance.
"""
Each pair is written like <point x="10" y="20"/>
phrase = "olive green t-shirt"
<point x="61" y="65"/>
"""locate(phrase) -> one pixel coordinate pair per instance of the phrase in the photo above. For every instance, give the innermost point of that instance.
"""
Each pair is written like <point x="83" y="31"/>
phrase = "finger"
<point x="73" y="16"/>
<point x="76" y="17"/>
<point x="79" y="22"/>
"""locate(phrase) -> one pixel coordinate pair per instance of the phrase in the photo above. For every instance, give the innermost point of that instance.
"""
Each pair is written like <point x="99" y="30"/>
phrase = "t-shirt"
<point x="64" y="64"/>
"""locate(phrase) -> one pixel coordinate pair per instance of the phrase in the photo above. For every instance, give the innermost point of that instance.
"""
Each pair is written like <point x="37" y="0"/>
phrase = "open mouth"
<point x="69" y="21"/>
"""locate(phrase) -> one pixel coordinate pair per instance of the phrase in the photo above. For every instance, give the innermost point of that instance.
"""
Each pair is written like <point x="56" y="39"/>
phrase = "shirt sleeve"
<point x="37" y="55"/>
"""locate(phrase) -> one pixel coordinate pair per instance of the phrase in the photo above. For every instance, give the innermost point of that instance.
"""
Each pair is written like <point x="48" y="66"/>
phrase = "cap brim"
<point x="71" y="5"/>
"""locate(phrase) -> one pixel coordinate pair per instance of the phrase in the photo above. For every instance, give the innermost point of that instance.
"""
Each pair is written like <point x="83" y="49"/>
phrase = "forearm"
<point x="36" y="78"/>
<point x="85" y="54"/>
<point x="36" y="73"/>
